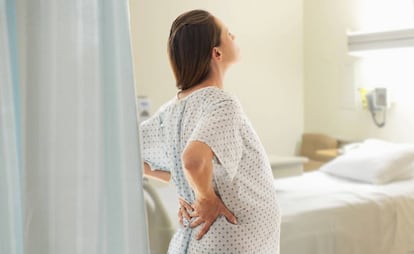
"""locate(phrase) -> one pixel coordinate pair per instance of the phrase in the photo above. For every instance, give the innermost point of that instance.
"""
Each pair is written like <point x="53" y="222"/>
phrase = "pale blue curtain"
<point x="11" y="237"/>
<point x="76" y="185"/>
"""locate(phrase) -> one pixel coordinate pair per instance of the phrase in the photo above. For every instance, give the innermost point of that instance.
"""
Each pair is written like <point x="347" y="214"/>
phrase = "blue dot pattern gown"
<point x="241" y="172"/>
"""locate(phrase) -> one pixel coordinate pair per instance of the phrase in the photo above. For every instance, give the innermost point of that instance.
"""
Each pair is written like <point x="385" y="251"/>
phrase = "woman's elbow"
<point x="192" y="162"/>
<point x="196" y="156"/>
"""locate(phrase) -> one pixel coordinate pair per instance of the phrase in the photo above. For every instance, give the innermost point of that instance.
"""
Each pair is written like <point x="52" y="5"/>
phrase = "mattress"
<point x="322" y="214"/>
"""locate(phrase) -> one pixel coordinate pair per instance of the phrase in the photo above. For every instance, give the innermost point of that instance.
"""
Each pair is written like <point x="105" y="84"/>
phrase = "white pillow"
<point x="374" y="161"/>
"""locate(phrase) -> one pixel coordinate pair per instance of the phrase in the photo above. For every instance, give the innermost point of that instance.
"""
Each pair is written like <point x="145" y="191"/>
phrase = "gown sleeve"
<point x="153" y="144"/>
<point x="219" y="128"/>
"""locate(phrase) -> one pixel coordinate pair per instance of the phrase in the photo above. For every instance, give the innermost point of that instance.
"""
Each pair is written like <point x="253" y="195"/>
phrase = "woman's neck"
<point x="215" y="79"/>
<point x="212" y="80"/>
<point x="207" y="83"/>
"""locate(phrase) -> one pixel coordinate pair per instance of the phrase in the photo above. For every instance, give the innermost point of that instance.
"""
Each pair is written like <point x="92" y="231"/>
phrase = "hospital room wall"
<point x="332" y="77"/>
<point x="268" y="79"/>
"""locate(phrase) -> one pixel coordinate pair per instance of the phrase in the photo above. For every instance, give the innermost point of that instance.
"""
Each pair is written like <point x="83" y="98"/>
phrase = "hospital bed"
<point x="323" y="214"/>
<point x="362" y="202"/>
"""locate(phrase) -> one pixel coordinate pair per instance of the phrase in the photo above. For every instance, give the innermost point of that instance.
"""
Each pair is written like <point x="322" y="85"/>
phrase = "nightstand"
<point x="328" y="153"/>
<point x="286" y="166"/>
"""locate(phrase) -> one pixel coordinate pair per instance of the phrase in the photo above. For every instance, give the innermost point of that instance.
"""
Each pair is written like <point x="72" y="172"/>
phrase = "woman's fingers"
<point x="196" y="222"/>
<point x="204" y="229"/>
<point x="194" y="214"/>
<point x="229" y="215"/>
<point x="184" y="213"/>
<point x="185" y="204"/>
<point x="184" y="210"/>
<point x="204" y="213"/>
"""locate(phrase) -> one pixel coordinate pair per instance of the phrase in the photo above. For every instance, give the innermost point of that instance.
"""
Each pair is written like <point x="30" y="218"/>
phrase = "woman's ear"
<point x="216" y="54"/>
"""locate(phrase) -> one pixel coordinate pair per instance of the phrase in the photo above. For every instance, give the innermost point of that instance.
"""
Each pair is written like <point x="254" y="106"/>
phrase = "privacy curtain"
<point x="75" y="185"/>
<point x="11" y="237"/>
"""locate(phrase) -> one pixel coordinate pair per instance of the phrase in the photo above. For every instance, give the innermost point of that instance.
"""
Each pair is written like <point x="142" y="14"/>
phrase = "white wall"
<point x="331" y="76"/>
<point x="268" y="79"/>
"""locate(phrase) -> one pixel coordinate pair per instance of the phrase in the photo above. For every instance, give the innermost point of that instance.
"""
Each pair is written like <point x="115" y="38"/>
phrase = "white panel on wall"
<point x="347" y="87"/>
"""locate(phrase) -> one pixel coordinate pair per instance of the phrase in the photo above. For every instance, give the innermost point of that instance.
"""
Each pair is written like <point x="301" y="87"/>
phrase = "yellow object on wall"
<point x="363" y="94"/>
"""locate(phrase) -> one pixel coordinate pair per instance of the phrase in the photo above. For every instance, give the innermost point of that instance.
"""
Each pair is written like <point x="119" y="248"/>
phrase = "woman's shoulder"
<point x="205" y="99"/>
<point x="213" y="95"/>
<point x="219" y="100"/>
<point x="219" y="93"/>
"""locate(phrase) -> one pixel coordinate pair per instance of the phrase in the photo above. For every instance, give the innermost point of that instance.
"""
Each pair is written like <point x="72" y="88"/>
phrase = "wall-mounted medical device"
<point x="377" y="102"/>
<point x="143" y="108"/>
<point x="377" y="99"/>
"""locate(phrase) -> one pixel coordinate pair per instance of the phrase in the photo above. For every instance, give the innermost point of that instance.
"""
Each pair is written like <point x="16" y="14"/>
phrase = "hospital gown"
<point x="241" y="172"/>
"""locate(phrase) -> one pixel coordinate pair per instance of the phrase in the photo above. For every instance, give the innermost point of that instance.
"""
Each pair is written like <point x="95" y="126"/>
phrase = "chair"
<point x="311" y="146"/>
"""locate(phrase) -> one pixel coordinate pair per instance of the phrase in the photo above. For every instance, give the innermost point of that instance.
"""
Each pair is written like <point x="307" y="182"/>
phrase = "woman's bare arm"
<point x="197" y="161"/>
<point x="157" y="174"/>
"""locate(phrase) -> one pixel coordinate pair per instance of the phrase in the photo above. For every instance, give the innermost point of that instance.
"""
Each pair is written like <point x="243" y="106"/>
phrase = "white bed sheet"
<point x="322" y="214"/>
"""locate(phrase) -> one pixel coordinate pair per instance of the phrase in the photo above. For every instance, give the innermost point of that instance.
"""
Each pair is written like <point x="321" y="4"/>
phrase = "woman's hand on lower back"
<point x="205" y="211"/>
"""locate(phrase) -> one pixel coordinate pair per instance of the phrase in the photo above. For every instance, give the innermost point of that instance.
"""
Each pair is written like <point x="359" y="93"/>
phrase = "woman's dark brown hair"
<point x="193" y="35"/>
